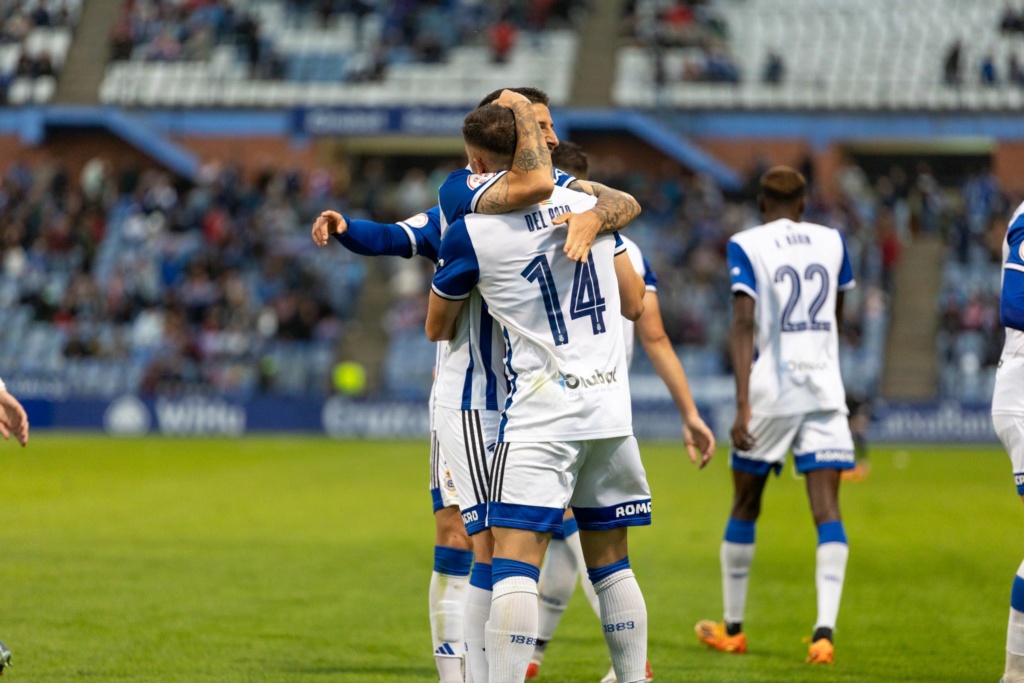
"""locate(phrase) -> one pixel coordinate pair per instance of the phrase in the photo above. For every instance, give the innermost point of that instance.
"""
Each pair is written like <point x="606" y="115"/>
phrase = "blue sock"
<point x="452" y="561"/>
<point x="505" y="568"/>
<point x="598" y="573"/>
<point x="481" y="576"/>
<point x="739" y="531"/>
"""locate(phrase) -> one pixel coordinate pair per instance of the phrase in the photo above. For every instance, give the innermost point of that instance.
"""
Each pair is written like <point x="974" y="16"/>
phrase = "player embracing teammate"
<point x="565" y="435"/>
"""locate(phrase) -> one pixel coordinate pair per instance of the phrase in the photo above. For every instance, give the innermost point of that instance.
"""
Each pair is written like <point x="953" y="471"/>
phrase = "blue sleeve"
<point x="846" y="279"/>
<point x="620" y="246"/>
<point x="1011" y="300"/>
<point x="457" y="268"/>
<point x="741" y="272"/>
<point x="563" y="179"/>
<point x="650" y="279"/>
<point x="367" y="238"/>
<point x="425" y="232"/>
<point x="460" y="192"/>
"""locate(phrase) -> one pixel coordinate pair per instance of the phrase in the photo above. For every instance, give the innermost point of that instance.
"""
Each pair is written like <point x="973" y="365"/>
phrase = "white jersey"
<point x="1008" y="397"/>
<point x="793" y="271"/>
<point x="643" y="269"/>
<point x="565" y="357"/>
<point x="469" y="368"/>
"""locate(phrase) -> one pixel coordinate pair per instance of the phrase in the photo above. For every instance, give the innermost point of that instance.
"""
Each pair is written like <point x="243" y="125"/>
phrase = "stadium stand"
<point x="34" y="41"/>
<point x="803" y="54"/>
<point x="277" y="53"/>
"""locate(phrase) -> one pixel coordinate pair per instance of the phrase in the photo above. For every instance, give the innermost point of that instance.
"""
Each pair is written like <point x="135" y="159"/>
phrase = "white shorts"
<point x="442" y="487"/>
<point x="818" y="440"/>
<point x="1010" y="429"/>
<point x="604" y="480"/>
<point x="467" y="439"/>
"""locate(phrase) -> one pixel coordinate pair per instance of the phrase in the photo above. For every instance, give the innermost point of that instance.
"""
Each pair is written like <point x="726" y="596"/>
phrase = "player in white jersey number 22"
<point x="787" y="280"/>
<point x="566" y="431"/>
<point x="1008" y="415"/>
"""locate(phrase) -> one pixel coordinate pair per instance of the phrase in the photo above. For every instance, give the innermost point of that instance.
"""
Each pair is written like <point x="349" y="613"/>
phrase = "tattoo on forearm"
<point x="531" y="149"/>
<point x="615" y="209"/>
<point x="495" y="199"/>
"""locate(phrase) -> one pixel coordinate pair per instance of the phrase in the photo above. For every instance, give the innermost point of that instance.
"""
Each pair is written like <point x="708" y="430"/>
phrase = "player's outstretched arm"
<point x="13" y="420"/>
<point x="530" y="180"/>
<point x="631" y="287"/>
<point x="741" y="344"/>
<point x="699" y="440"/>
<point x="366" y="238"/>
<point x="327" y="224"/>
<point x="441" y="316"/>
<point x="614" y="210"/>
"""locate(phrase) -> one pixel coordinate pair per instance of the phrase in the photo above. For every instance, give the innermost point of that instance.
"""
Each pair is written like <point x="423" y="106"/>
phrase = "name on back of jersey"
<point x="539" y="220"/>
<point x="794" y="240"/>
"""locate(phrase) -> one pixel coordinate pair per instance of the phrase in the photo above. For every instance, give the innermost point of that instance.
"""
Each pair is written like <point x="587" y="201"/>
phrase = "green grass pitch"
<point x="293" y="560"/>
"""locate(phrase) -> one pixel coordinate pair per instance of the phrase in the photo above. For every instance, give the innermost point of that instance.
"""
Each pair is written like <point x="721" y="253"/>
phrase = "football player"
<point x="13" y="422"/>
<point x="788" y="279"/>
<point x="566" y="430"/>
<point x="1008" y="415"/>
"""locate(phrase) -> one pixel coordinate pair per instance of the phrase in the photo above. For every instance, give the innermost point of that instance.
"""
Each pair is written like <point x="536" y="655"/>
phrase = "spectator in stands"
<point x="774" y="69"/>
<point x="1012" y="21"/>
<point x="951" y="64"/>
<point x="1015" y="71"/>
<point x="988" y="70"/>
<point x="502" y="40"/>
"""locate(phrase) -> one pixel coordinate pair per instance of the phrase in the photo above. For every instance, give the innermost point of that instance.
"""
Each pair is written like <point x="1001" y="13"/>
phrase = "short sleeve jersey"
<point x="469" y="367"/>
<point x="794" y="272"/>
<point x="643" y="269"/>
<point x="565" y="356"/>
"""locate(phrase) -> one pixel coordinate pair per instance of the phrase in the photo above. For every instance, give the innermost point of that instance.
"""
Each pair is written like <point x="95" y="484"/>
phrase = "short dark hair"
<point x="782" y="185"/>
<point x="491" y="128"/>
<point x="571" y="158"/>
<point x="535" y="95"/>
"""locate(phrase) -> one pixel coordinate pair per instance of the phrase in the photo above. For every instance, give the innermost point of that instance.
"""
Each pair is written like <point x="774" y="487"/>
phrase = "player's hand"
<point x="583" y="229"/>
<point x="699" y="441"/>
<point x="507" y="98"/>
<point x="742" y="439"/>
<point x="13" y="420"/>
<point x="328" y="223"/>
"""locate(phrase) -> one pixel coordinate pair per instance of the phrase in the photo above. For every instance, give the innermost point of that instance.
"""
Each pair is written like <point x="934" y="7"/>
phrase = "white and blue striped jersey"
<point x="565" y="355"/>
<point x="793" y="271"/>
<point x="470" y="375"/>
<point x="643" y="269"/>
<point x="1008" y="397"/>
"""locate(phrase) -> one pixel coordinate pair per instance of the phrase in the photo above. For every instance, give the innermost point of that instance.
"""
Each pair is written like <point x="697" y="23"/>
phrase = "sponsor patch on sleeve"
<point x="418" y="221"/>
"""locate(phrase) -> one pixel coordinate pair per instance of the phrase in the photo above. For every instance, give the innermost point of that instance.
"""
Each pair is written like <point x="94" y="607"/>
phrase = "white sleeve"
<point x="3" y="387"/>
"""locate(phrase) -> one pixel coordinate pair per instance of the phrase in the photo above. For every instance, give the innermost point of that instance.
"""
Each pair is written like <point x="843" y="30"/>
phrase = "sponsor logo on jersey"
<point x="633" y="509"/>
<point x="572" y="382"/>
<point x="420" y="220"/>
<point x="1019" y="479"/>
<point x="804" y="366"/>
<point x="477" y="179"/>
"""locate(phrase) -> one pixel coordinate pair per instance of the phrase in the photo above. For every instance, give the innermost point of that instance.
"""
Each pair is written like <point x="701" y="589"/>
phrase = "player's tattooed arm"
<point x="530" y="180"/>
<point x="441" y="316"/>
<point x="741" y="344"/>
<point x="614" y="210"/>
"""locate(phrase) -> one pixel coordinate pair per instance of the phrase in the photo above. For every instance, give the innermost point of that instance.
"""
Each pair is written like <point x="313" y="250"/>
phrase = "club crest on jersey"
<point x="418" y="221"/>
<point x="477" y="179"/>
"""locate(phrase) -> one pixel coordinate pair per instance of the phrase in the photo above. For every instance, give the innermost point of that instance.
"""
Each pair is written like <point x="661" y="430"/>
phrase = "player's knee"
<point x="746" y="506"/>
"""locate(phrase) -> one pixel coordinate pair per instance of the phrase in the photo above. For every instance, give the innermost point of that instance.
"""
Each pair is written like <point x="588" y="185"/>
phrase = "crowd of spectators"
<point x="17" y="22"/>
<point x="422" y="31"/>
<point x="689" y="28"/>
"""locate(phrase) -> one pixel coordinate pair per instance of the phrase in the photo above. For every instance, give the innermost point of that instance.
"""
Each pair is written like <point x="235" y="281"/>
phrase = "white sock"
<point x="573" y="542"/>
<point x="447" y="610"/>
<point x="1014" y="668"/>
<point x="447" y="601"/>
<point x="830" y="573"/>
<point x="736" y="560"/>
<point x="555" y="588"/>
<point x="478" y="610"/>
<point x="624" y="622"/>
<point x="512" y="629"/>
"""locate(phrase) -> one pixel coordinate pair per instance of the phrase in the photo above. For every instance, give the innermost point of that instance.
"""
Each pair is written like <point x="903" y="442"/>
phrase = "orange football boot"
<point x="715" y="636"/>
